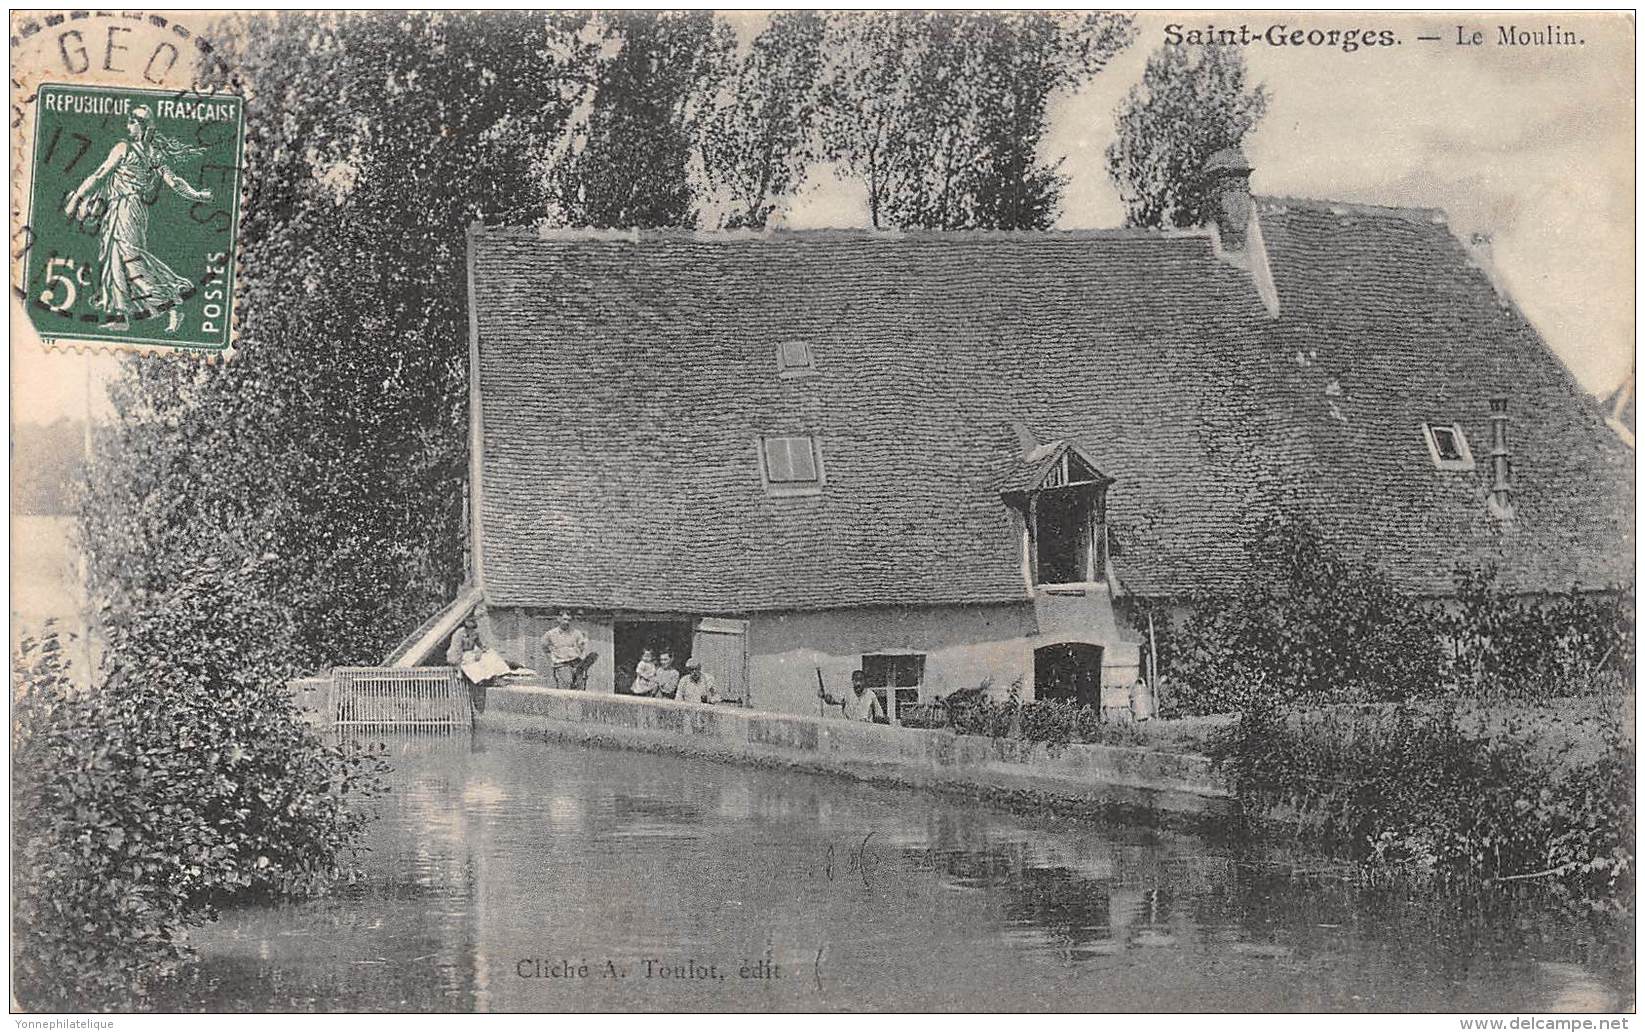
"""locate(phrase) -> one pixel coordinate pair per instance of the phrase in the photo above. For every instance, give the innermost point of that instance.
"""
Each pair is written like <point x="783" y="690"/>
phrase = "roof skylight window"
<point x="1448" y="446"/>
<point x="794" y="359"/>
<point x="791" y="465"/>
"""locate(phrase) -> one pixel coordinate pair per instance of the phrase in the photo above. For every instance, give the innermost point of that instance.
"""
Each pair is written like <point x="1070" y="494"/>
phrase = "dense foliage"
<point x="1191" y="103"/>
<point x="1519" y="808"/>
<point x="1057" y="723"/>
<point x="1501" y="646"/>
<point x="941" y="115"/>
<point x="653" y="74"/>
<point x="184" y="780"/>
<point x="1308" y="625"/>
<point x="1312" y="627"/>
<point x="760" y="134"/>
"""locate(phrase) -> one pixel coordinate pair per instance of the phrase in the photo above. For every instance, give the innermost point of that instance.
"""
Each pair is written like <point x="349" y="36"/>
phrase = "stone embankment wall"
<point x="1162" y="786"/>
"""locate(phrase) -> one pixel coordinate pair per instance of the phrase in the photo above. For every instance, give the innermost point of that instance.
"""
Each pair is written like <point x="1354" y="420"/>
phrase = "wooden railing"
<point x="432" y="698"/>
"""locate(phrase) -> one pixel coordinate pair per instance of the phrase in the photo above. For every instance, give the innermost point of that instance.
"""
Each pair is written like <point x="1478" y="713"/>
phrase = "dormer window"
<point x="1447" y="446"/>
<point x="791" y="465"/>
<point x="794" y="359"/>
<point x="1062" y="502"/>
<point x="1065" y="543"/>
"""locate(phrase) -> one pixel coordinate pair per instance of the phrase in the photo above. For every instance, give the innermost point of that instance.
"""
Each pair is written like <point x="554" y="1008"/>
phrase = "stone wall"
<point x="1151" y="782"/>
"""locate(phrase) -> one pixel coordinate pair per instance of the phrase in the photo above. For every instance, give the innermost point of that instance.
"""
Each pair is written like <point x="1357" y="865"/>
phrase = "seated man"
<point x="477" y="664"/>
<point x="465" y="638"/>
<point x="859" y="704"/>
<point x="696" y="687"/>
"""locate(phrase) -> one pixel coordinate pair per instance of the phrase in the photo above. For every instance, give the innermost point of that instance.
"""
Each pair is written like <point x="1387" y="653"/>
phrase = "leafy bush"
<point x="181" y="782"/>
<point x="1409" y="789"/>
<point x="1312" y="628"/>
<point x="1055" y="722"/>
<point x="1308" y="625"/>
<point x="1503" y="646"/>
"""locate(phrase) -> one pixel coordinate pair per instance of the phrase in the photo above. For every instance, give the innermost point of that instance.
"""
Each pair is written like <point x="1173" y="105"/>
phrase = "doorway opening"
<point x="629" y="638"/>
<point x="1069" y="670"/>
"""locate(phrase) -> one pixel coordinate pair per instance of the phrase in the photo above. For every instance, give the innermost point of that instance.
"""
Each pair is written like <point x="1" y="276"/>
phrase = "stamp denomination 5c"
<point x="133" y="211"/>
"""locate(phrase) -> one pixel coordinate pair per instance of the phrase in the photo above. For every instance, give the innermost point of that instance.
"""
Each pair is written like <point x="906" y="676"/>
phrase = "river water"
<point x="513" y="875"/>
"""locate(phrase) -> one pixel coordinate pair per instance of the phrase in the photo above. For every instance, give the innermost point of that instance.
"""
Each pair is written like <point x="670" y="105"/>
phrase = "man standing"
<point x="859" y="704"/>
<point x="565" y="647"/>
<point x="696" y="687"/>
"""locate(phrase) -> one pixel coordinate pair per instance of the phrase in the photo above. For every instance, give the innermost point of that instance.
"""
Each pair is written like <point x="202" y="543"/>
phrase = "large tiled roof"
<point x="625" y="379"/>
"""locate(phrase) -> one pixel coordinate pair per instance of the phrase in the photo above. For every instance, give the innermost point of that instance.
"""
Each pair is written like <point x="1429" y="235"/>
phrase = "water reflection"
<point x="508" y="875"/>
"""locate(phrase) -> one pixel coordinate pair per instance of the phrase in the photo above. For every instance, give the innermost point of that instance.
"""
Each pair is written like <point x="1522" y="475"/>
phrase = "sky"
<point x="1533" y="146"/>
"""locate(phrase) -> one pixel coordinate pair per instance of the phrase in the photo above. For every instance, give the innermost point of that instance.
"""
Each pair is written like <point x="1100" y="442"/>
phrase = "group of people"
<point x="656" y="676"/>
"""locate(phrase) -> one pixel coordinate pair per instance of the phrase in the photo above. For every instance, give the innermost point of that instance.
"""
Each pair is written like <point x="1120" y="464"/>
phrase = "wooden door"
<point x="722" y="646"/>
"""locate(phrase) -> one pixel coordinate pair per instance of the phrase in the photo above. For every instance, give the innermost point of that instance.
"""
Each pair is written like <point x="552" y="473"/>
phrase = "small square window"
<point x="794" y="359"/>
<point x="791" y="465"/>
<point x="1448" y="446"/>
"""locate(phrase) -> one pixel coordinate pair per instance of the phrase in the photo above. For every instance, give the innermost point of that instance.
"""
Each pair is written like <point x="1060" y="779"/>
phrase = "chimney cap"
<point x="1230" y="161"/>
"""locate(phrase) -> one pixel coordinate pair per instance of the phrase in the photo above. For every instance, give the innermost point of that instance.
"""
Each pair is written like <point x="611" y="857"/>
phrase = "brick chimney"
<point x="1231" y="215"/>
<point x="1501" y="503"/>
<point x="1227" y="179"/>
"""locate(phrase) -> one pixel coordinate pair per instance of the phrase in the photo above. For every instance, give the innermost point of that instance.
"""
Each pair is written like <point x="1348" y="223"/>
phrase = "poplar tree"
<point x="655" y="78"/>
<point x="761" y="135"/>
<point x="943" y="116"/>
<point x="1191" y="103"/>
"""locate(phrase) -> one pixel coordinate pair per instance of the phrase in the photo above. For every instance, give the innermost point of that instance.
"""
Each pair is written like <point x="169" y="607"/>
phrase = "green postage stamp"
<point x="134" y="209"/>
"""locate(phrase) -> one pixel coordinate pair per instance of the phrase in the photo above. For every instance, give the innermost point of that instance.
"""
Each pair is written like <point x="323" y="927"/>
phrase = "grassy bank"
<point x="1475" y="798"/>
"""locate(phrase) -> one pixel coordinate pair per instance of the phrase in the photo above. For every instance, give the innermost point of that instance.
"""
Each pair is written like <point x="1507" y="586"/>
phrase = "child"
<point x="645" y="675"/>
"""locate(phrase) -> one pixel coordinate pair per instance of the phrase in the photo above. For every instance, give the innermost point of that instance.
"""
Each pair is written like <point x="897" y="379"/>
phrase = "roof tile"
<point x="625" y="379"/>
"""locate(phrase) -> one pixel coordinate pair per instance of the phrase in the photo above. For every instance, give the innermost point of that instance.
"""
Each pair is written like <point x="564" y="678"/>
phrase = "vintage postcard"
<point x="823" y="511"/>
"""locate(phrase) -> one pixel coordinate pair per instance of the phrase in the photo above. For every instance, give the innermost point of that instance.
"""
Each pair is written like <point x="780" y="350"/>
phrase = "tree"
<point x="758" y="140"/>
<point x="1191" y="103"/>
<point x="942" y="115"/>
<point x="630" y="165"/>
<point x="1309" y="625"/>
<point x="185" y="782"/>
<point x="335" y="441"/>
